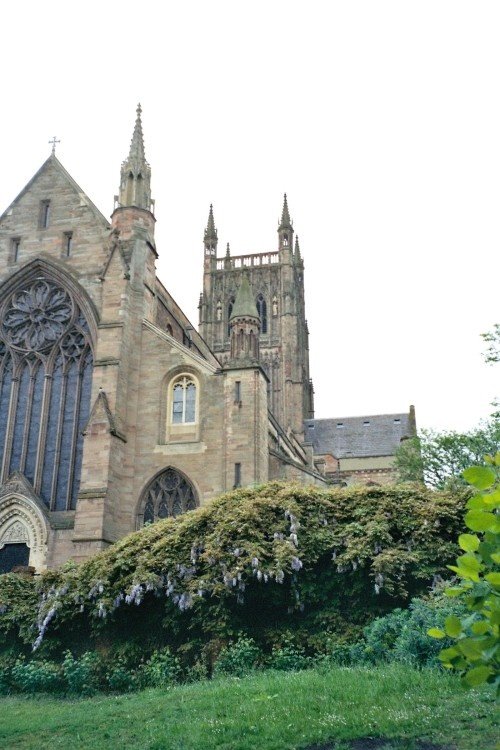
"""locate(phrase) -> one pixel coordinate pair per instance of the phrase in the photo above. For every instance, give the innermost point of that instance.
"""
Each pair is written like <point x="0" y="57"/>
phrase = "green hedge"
<point x="276" y="563"/>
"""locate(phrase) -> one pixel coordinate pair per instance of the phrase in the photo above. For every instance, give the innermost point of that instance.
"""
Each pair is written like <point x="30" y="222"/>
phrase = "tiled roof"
<point x="351" y="437"/>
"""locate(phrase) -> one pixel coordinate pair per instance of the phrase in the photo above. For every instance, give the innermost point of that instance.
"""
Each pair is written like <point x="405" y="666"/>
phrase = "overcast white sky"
<point x="381" y="120"/>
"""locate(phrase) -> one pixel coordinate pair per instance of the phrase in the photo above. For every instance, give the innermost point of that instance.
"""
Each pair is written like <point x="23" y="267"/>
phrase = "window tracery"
<point x="170" y="494"/>
<point x="45" y="376"/>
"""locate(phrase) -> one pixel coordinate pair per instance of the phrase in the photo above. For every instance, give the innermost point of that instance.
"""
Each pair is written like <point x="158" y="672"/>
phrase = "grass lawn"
<point x="267" y="711"/>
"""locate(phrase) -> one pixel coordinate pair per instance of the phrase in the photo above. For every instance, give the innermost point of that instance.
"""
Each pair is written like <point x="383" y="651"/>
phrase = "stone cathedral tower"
<point x="276" y="281"/>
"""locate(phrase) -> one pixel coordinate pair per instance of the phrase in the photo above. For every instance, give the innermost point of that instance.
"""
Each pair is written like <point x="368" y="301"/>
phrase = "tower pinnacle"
<point x="285" y="231"/>
<point x="285" y="216"/>
<point x="210" y="235"/>
<point x="135" y="182"/>
<point x="210" y="231"/>
<point x="297" y="255"/>
<point x="137" y="153"/>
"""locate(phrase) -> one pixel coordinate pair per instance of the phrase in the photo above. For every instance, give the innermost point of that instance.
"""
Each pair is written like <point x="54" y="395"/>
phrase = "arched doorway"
<point x="24" y="527"/>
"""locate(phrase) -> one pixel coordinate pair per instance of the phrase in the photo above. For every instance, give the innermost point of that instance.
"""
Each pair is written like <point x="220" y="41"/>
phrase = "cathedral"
<point x="114" y="410"/>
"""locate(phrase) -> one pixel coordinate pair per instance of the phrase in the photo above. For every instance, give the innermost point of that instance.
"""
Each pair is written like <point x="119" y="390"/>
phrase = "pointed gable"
<point x="53" y="217"/>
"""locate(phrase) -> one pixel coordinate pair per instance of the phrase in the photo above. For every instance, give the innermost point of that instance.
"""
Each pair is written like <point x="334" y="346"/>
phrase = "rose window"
<point x="36" y="317"/>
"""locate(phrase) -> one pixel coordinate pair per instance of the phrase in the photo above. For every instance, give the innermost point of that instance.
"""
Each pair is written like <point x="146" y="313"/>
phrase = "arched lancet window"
<point x="184" y="400"/>
<point x="169" y="494"/>
<point x="262" y="310"/>
<point x="230" y="305"/>
<point x="218" y="311"/>
<point x="46" y="377"/>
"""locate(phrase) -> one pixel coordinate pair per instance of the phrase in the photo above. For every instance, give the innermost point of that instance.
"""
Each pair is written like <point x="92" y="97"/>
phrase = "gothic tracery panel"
<point x="169" y="494"/>
<point x="45" y="381"/>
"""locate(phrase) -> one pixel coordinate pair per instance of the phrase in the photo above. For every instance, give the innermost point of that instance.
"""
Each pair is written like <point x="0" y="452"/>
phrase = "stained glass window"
<point x="45" y="376"/>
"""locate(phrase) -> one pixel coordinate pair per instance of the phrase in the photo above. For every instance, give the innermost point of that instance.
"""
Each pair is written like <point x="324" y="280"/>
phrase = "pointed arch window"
<point x="169" y="494"/>
<point x="230" y="306"/>
<point x="262" y="310"/>
<point x="184" y="400"/>
<point x="45" y="383"/>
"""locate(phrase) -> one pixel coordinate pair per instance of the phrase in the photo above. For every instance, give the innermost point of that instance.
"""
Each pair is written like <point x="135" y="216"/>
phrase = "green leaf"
<point x="469" y="561"/>
<point x="497" y="459"/>
<point x="492" y="499"/>
<point x="493" y="578"/>
<point x="479" y="476"/>
<point x="469" y="542"/>
<point x="476" y="676"/>
<point x="470" y="575"/>
<point x="478" y="520"/>
<point x="495" y="556"/>
<point x="480" y="628"/>
<point x="454" y="591"/>
<point x="470" y="648"/>
<point x="436" y="633"/>
<point x="477" y="503"/>
<point x="453" y="626"/>
<point x="447" y="654"/>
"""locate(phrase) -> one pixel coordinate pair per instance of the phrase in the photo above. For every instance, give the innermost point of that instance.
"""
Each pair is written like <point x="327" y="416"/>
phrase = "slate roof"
<point x="358" y="437"/>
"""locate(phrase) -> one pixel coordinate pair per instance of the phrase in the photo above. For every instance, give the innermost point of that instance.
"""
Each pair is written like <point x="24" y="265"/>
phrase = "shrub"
<point x="162" y="669"/>
<point x="381" y="635"/>
<point x="475" y="647"/>
<point x="238" y="658"/>
<point x="289" y="657"/>
<point x="402" y="636"/>
<point x="82" y="675"/>
<point x="266" y="560"/>
<point x="121" y="679"/>
<point x="36" y="677"/>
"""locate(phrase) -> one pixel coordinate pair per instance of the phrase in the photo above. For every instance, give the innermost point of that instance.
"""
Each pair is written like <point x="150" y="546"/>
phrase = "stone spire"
<point x="285" y="216"/>
<point x="210" y="235"/>
<point x="244" y="304"/>
<point x="297" y="255"/>
<point x="285" y="232"/>
<point x="137" y="153"/>
<point x="135" y="182"/>
<point x="244" y="324"/>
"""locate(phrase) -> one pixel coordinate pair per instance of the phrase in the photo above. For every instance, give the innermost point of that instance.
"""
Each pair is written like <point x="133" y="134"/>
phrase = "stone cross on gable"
<point x="53" y="142"/>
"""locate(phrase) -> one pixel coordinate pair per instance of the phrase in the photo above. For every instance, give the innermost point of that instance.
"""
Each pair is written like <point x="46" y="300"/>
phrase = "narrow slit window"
<point x="237" y="391"/>
<point x="68" y="243"/>
<point x="15" y="247"/>
<point x="237" y="475"/>
<point x="44" y="214"/>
